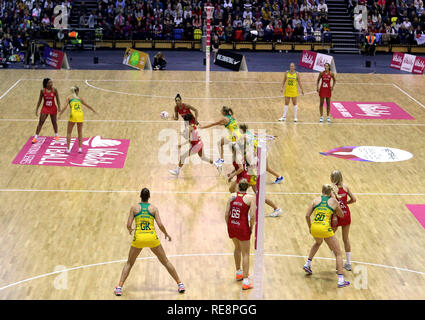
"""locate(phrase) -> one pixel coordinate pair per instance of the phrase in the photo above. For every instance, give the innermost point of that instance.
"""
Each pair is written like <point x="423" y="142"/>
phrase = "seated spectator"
<point x="238" y="36"/>
<point x="229" y="32"/>
<point x="219" y="31"/>
<point x="288" y="35"/>
<point x="159" y="62"/>
<point x="298" y="34"/>
<point x="370" y="44"/>
<point x="268" y="32"/>
<point x="322" y="6"/>
<point x="247" y="27"/>
<point x="402" y="34"/>
<point x="188" y="32"/>
<point x="157" y="29"/>
<point x="236" y="22"/>
<point x="196" y="21"/>
<point x="128" y="31"/>
<point x="278" y="32"/>
<point x="309" y="33"/>
<point x="215" y="44"/>
<point x="178" y="21"/>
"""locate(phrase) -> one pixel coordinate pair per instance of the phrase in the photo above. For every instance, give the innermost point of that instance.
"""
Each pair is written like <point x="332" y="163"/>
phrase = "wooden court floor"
<point x="63" y="229"/>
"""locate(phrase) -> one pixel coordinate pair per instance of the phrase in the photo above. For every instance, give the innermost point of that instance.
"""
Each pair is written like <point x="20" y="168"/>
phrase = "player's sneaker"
<point x="174" y="172"/>
<point x="56" y="138"/>
<point x="276" y="213"/>
<point x="278" y="180"/>
<point x="282" y="119"/>
<point x="239" y="275"/>
<point x="329" y="119"/>
<point x="67" y="151"/>
<point x="219" y="162"/>
<point x="118" y="291"/>
<point x="181" y="288"/>
<point x="307" y="269"/>
<point x="347" y="267"/>
<point x="34" y="140"/>
<point x="321" y="119"/>
<point x="295" y="119"/>
<point x="248" y="286"/>
<point x="343" y="284"/>
<point x="80" y="150"/>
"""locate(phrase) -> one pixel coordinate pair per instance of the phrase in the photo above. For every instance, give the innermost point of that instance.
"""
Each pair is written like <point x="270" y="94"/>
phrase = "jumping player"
<point x="251" y="139"/>
<point x="290" y="81"/>
<point x="238" y="172"/>
<point x="230" y="123"/>
<point x="48" y="95"/>
<point x="240" y="227"/>
<point x="196" y="145"/>
<point x="342" y="192"/>
<point x="325" y="91"/>
<point x="76" y="117"/>
<point x="144" y="214"/>
<point x="320" y="229"/>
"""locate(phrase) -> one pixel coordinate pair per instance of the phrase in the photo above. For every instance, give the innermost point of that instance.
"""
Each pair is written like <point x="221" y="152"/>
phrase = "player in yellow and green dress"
<point x="76" y="117"/>
<point x="290" y="82"/>
<point x="323" y="207"/>
<point x="144" y="214"/>
<point x="234" y="134"/>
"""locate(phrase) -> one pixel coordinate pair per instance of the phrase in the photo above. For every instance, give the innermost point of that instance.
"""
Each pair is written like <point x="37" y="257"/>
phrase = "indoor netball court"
<point x="63" y="218"/>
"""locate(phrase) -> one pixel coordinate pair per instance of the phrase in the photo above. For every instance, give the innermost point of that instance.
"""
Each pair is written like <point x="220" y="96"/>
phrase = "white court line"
<point x="202" y="81"/>
<point x="186" y="98"/>
<point x="13" y="86"/>
<point x="249" y="122"/>
<point x="408" y="95"/>
<point x="200" y="192"/>
<point x="199" y="255"/>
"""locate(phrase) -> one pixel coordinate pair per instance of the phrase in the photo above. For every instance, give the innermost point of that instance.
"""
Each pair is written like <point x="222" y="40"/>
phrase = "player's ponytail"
<point x="227" y="111"/>
<point x="74" y="91"/>
<point x="45" y="81"/>
<point x="336" y="177"/>
<point x="327" y="189"/>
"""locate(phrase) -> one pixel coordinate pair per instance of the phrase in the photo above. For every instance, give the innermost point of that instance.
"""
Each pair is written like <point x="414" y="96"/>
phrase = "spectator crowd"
<point x="392" y="21"/>
<point x="233" y="20"/>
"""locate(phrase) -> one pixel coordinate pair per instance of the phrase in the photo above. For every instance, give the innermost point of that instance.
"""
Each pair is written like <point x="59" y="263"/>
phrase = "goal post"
<point x="209" y="10"/>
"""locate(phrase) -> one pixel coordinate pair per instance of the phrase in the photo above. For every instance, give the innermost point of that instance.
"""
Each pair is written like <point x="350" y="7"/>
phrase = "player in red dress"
<point x="342" y="192"/>
<point x="239" y="171"/>
<point x="196" y="145"/>
<point x="48" y="95"/>
<point x="239" y="228"/>
<point x="325" y="91"/>
<point x="183" y="109"/>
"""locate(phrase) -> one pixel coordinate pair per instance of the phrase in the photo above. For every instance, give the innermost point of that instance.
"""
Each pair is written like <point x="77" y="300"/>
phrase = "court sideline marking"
<point x="200" y="255"/>
<point x="8" y="90"/>
<point x="201" y="192"/>
<point x="250" y="122"/>
<point x="408" y="95"/>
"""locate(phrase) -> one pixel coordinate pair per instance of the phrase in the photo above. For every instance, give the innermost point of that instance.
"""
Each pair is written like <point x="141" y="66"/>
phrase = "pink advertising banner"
<point x="97" y="152"/>
<point x="418" y="210"/>
<point x="368" y="110"/>
<point x="408" y="63"/>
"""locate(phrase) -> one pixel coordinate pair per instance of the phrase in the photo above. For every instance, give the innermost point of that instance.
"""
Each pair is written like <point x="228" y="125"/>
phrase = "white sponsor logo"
<point x="420" y="63"/>
<point x="373" y="110"/>
<point x="342" y="110"/>
<point x="381" y="154"/>
<point x="227" y="59"/>
<point x="308" y="59"/>
<point x="61" y="19"/>
<point x="97" y="141"/>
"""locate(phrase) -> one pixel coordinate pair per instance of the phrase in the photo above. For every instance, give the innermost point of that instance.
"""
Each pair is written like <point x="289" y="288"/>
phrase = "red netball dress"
<point x="49" y="105"/>
<point x="325" y="88"/>
<point x="346" y="220"/>
<point x="237" y="225"/>
<point x="242" y="175"/>
<point x="184" y="111"/>
<point x="196" y="141"/>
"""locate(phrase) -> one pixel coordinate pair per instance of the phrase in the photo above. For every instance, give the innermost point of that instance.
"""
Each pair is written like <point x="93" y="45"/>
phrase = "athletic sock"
<point x="56" y="134"/>
<point x="239" y="271"/>
<point x="308" y="263"/>
<point x="245" y="281"/>
<point x="340" y="278"/>
<point x="36" y="136"/>
<point x="348" y="254"/>
<point x="285" y="110"/>
<point x="295" y="111"/>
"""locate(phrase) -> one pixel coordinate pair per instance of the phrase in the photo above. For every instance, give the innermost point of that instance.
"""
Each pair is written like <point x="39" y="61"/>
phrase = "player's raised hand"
<point x="167" y="237"/>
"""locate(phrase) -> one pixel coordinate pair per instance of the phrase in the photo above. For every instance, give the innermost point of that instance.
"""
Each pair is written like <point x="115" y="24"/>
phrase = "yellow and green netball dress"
<point x="232" y="126"/>
<point x="76" y="111"/>
<point x="291" y="85"/>
<point x="145" y="234"/>
<point x="321" y="226"/>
